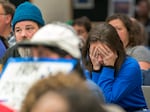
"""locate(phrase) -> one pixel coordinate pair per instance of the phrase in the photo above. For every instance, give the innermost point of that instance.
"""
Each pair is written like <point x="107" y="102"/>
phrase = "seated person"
<point x="118" y="75"/>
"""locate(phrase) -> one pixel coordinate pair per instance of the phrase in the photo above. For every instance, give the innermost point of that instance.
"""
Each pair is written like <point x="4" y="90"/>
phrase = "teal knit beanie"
<point x="27" y="11"/>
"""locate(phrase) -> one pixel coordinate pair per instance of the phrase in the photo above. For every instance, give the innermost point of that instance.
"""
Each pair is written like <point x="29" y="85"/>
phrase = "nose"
<point x="24" y="35"/>
<point x="100" y="59"/>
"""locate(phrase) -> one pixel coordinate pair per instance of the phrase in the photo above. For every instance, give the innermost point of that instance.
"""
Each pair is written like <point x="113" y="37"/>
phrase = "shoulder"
<point x="11" y="41"/>
<point x="130" y="64"/>
<point x="11" y="52"/>
<point x="141" y="48"/>
<point x="141" y="53"/>
<point x="130" y="60"/>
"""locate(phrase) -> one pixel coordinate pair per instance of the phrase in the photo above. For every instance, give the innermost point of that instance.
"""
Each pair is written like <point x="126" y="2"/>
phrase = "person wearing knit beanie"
<point x="26" y="22"/>
<point x="27" y="11"/>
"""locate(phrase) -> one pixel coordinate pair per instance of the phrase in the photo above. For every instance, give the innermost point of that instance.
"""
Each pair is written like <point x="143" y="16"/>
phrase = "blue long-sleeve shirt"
<point x="123" y="89"/>
<point x="2" y="49"/>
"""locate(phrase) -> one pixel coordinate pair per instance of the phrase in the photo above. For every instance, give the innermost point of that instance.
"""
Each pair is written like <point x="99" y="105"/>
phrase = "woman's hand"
<point x="95" y="57"/>
<point x="109" y="57"/>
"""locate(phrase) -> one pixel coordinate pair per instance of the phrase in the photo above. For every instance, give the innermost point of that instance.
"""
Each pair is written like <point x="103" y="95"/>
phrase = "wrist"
<point x="109" y="66"/>
<point x="96" y="68"/>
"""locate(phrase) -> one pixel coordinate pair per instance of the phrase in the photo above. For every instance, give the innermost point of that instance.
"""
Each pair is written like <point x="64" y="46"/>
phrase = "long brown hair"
<point x="107" y="34"/>
<point x="128" y="25"/>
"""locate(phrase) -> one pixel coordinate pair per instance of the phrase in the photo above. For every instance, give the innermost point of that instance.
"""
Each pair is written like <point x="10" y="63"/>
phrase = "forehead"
<point x="26" y="23"/>
<point x="116" y="22"/>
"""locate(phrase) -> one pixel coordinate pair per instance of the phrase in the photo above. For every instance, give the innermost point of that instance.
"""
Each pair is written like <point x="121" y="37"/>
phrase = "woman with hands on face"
<point x="102" y="55"/>
<point x="117" y="74"/>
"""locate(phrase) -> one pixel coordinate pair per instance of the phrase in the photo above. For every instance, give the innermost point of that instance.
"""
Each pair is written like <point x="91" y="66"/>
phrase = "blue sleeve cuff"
<point x="108" y="72"/>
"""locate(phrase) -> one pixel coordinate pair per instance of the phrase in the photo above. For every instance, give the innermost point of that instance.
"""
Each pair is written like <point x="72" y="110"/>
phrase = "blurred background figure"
<point x="61" y="93"/>
<point x="6" y="14"/>
<point x="82" y="26"/>
<point x="142" y="15"/>
<point x="141" y="35"/>
<point x="132" y="37"/>
<point x="139" y="52"/>
<point x="6" y="34"/>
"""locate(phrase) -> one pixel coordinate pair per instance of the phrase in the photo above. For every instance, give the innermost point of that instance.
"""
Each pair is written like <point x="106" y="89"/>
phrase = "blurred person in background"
<point x="26" y="21"/>
<point x="140" y="33"/>
<point x="117" y="74"/>
<point x="6" y="14"/>
<point x="140" y="53"/>
<point x="6" y="36"/>
<point x="132" y="39"/>
<point x="82" y="26"/>
<point x="142" y="15"/>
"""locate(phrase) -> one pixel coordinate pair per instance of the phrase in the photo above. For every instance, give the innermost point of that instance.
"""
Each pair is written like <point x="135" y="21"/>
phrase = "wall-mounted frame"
<point x="83" y="4"/>
<point x="121" y="6"/>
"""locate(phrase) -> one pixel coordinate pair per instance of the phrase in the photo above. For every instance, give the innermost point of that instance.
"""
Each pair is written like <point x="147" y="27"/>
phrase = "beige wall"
<point x="55" y="10"/>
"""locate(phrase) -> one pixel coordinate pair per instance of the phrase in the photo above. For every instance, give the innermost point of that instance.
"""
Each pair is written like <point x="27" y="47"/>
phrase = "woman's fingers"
<point x="108" y="56"/>
<point x="103" y="51"/>
<point x="93" y="52"/>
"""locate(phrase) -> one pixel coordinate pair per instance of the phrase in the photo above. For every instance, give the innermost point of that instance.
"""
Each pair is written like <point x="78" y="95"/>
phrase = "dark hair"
<point x="107" y="34"/>
<point x="83" y="21"/>
<point x="72" y="88"/>
<point x="140" y="34"/>
<point x="146" y="1"/>
<point x="8" y="7"/>
<point x="128" y="25"/>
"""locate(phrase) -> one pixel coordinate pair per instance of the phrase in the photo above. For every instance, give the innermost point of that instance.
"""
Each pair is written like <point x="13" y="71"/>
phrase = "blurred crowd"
<point x="112" y="61"/>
